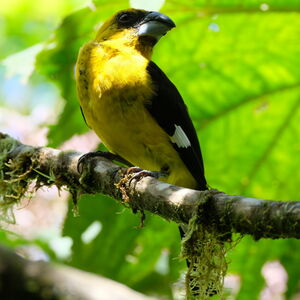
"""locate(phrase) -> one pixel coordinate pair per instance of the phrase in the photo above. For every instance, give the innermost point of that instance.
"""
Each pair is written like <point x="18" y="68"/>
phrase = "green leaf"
<point x="246" y="260"/>
<point x="288" y="255"/>
<point x="234" y="81"/>
<point x="123" y="251"/>
<point x="14" y="241"/>
<point x="22" y="63"/>
<point x="147" y="5"/>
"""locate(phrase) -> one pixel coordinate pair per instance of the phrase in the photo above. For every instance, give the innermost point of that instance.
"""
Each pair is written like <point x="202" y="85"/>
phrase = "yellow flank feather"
<point x="113" y="87"/>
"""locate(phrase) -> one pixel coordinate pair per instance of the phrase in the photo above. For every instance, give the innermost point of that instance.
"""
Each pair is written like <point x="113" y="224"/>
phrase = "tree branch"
<point x="21" y="164"/>
<point x="38" y="280"/>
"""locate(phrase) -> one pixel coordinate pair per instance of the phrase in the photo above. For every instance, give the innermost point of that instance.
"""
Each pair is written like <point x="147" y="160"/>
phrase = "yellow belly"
<point x="130" y="131"/>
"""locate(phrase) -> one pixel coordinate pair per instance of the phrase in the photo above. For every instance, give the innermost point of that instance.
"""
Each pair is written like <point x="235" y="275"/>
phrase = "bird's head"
<point x="135" y="27"/>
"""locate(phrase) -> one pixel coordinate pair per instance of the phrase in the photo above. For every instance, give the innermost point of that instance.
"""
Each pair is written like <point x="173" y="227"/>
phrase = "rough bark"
<point x="20" y="164"/>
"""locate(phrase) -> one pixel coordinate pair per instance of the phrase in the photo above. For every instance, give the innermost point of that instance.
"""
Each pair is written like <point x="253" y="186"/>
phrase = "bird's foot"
<point x="138" y="173"/>
<point x="106" y="154"/>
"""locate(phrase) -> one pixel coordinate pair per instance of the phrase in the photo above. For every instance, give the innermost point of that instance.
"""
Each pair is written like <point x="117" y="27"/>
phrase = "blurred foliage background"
<point x="236" y="64"/>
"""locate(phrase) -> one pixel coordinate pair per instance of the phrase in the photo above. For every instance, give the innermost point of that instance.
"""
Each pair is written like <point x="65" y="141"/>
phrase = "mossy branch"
<point x="21" y="164"/>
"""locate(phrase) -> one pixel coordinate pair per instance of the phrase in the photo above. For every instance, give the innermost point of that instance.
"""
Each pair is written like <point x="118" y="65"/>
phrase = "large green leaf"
<point x="122" y="250"/>
<point x="243" y="92"/>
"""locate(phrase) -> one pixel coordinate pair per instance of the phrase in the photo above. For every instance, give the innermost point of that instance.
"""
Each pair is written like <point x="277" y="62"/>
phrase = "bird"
<point x="133" y="107"/>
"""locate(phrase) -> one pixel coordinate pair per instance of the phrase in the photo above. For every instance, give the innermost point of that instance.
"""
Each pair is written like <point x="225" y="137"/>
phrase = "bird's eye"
<point x="125" y="17"/>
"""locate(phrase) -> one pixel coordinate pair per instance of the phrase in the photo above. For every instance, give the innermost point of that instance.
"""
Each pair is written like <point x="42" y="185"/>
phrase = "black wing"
<point x="168" y="109"/>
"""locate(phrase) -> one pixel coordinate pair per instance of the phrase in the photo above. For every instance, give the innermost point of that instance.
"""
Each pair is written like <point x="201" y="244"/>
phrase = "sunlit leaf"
<point x="22" y="63"/>
<point x="155" y="5"/>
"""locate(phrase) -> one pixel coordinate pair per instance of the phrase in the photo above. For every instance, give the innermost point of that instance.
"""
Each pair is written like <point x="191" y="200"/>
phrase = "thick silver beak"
<point x="155" y="25"/>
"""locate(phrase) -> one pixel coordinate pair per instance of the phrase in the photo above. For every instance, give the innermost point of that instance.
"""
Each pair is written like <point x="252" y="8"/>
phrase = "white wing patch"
<point x="179" y="138"/>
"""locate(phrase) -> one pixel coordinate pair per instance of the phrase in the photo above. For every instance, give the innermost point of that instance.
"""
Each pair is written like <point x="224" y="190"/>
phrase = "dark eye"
<point x="124" y="17"/>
